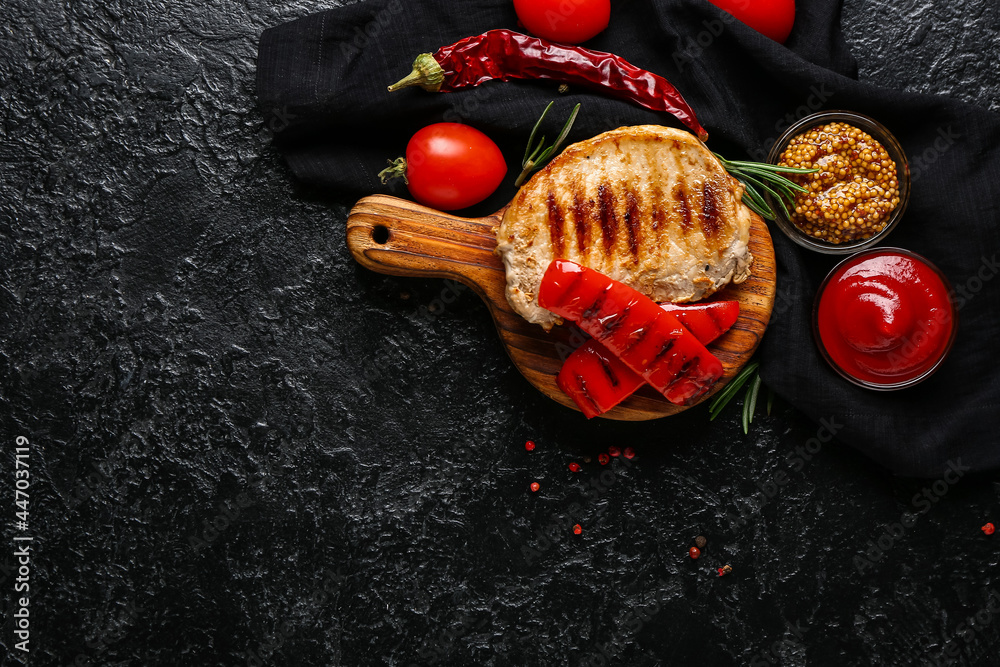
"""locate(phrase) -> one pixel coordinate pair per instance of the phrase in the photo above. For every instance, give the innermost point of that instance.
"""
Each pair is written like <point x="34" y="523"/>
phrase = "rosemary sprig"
<point x="749" y="374"/>
<point x="722" y="400"/>
<point x="761" y="177"/>
<point x="535" y="157"/>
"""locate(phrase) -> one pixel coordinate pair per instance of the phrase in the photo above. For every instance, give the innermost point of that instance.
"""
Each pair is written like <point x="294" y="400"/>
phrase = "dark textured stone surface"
<point x="948" y="48"/>
<point x="194" y="356"/>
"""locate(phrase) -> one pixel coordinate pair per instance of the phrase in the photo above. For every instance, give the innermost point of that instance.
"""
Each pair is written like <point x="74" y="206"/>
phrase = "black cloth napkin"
<point x="322" y="87"/>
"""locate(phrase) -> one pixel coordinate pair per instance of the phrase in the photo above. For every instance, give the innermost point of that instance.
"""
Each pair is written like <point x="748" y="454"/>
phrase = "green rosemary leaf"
<point x="566" y="128"/>
<point x="755" y="200"/>
<point x="534" y="131"/>
<point x="768" y="166"/>
<point x="723" y="399"/>
<point x="773" y="178"/>
<point x="770" y="191"/>
<point x="756" y="181"/>
<point x="778" y="198"/>
<point x="786" y="191"/>
<point x="732" y="387"/>
<point x="746" y="412"/>
<point x="534" y="155"/>
<point x="752" y="190"/>
<point x="754" y="391"/>
<point x="773" y="168"/>
<point x="760" y="209"/>
<point x="534" y="158"/>
<point x="784" y="209"/>
<point x="761" y="176"/>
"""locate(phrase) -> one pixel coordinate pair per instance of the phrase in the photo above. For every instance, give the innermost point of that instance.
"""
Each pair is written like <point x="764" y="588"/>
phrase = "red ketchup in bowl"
<point x="884" y="318"/>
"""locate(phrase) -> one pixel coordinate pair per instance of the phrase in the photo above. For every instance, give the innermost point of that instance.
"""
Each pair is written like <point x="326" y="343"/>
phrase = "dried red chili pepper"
<point x="504" y="55"/>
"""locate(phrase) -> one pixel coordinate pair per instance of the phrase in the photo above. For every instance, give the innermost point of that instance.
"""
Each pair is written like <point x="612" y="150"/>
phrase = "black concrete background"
<point x="246" y="450"/>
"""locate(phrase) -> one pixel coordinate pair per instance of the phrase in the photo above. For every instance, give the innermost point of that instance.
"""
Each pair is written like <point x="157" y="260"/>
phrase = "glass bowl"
<point x="880" y="134"/>
<point x="891" y="386"/>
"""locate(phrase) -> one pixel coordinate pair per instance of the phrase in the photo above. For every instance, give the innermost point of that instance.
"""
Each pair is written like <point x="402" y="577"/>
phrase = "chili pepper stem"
<point x="427" y="74"/>
<point x="396" y="169"/>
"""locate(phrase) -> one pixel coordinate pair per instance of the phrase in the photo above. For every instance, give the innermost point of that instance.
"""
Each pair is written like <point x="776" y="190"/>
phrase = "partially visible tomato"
<point x="450" y="166"/>
<point x="566" y="21"/>
<point x="772" y="18"/>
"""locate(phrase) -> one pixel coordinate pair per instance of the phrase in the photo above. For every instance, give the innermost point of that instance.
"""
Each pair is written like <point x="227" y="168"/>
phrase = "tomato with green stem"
<point x="449" y="166"/>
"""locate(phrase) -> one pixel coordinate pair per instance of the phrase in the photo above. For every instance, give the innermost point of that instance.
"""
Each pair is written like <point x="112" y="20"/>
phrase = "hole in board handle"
<point x="380" y="234"/>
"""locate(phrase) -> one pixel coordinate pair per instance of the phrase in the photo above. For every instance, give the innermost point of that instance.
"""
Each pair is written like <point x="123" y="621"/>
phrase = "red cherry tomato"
<point x="451" y="166"/>
<point x="772" y="18"/>
<point x="566" y="21"/>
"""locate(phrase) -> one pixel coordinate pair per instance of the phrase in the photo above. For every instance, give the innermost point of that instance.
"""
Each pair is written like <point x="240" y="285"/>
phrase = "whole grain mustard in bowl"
<point x="861" y="188"/>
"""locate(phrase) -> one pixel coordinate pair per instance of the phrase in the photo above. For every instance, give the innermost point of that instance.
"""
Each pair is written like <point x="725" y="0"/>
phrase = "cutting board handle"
<point x="400" y="238"/>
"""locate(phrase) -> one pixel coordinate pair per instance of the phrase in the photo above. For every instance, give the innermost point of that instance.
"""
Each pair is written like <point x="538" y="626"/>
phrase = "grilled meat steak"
<point x="648" y="206"/>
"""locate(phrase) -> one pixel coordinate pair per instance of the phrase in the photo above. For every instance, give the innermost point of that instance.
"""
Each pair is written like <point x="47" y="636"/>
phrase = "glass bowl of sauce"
<point x="862" y="187"/>
<point x="885" y="319"/>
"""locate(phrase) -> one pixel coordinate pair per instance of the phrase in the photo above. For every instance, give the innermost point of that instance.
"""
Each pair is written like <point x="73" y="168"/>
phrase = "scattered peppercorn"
<point x="587" y="459"/>
<point x="629" y="453"/>
<point x="535" y="486"/>
<point x="694" y="552"/>
<point x="530" y="445"/>
<point x="989" y="528"/>
<point x="603" y="459"/>
<point x="724" y="570"/>
<point x="614" y="451"/>
<point x="855" y="190"/>
<point x="574" y="467"/>
<point x="700" y="541"/>
<point x="577" y="529"/>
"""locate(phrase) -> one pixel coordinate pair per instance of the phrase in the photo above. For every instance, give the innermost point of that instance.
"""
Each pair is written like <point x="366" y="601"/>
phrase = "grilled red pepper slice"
<point x="707" y="321"/>
<point x="597" y="381"/>
<point x="648" y="340"/>
<point x="505" y="54"/>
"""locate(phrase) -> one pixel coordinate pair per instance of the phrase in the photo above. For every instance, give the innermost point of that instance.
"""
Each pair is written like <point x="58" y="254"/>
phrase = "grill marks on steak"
<point x="648" y="206"/>
<point x="582" y="206"/>
<point x="710" y="207"/>
<point x="557" y="222"/>
<point x="680" y="195"/>
<point x="582" y="216"/>
<point x="633" y="223"/>
<point x="609" y="223"/>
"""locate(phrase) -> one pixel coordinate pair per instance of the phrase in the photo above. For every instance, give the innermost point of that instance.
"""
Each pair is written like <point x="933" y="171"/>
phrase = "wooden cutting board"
<point x="400" y="238"/>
